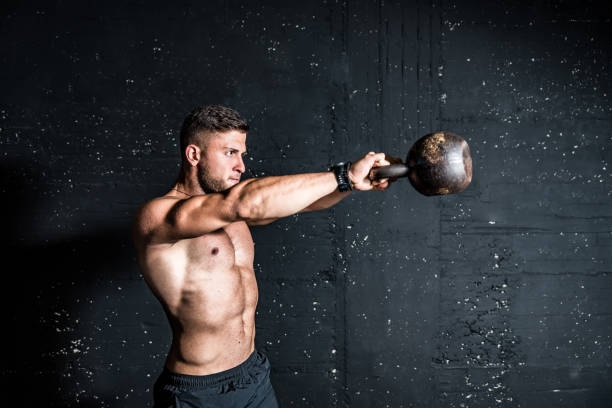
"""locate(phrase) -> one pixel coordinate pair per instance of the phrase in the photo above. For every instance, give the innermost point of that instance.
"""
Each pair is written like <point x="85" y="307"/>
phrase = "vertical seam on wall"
<point x="403" y="72"/>
<point x="343" y="285"/>
<point x="436" y="104"/>
<point x="381" y="78"/>
<point x="340" y="386"/>
<point x="432" y="98"/>
<point x="418" y="69"/>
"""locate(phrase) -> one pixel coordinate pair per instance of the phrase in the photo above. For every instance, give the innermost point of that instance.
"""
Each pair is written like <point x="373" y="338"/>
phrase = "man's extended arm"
<point x="321" y="204"/>
<point x="259" y="200"/>
<point x="277" y="197"/>
<point x="336" y="196"/>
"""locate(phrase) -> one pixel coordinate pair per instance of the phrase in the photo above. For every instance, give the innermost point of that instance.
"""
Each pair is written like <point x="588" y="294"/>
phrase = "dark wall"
<point x="498" y="296"/>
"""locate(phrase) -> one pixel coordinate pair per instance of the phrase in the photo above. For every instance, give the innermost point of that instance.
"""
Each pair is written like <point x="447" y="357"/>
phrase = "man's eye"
<point x="229" y="153"/>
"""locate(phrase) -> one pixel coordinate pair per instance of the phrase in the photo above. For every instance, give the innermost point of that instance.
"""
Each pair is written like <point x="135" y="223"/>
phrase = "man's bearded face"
<point x="221" y="164"/>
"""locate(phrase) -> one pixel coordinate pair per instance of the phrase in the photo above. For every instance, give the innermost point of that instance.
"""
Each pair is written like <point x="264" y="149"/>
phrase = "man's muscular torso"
<point x="207" y="287"/>
<point x="196" y="252"/>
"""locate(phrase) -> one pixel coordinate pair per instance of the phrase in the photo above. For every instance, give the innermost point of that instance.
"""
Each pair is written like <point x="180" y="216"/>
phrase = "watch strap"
<point x="341" y="171"/>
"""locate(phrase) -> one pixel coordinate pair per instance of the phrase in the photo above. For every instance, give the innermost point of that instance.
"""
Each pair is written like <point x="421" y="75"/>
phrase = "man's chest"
<point x="224" y="248"/>
<point x="241" y="240"/>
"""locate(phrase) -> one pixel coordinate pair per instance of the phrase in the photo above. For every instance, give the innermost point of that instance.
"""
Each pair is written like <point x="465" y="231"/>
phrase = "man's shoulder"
<point x="157" y="206"/>
<point x="152" y="213"/>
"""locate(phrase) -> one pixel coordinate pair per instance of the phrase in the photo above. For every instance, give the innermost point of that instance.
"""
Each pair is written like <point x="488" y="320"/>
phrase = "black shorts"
<point x="246" y="385"/>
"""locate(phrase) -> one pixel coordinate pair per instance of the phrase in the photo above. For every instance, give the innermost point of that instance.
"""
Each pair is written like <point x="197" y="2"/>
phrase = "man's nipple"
<point x="215" y="251"/>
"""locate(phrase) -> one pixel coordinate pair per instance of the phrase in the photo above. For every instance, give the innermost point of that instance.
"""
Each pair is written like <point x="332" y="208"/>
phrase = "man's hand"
<point x="360" y="171"/>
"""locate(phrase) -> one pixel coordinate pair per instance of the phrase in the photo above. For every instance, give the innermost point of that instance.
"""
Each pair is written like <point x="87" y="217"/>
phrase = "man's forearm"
<point x="276" y="197"/>
<point x="327" y="201"/>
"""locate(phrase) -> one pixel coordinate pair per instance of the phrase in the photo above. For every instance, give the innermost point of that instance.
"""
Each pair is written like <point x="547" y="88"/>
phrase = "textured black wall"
<point x="498" y="296"/>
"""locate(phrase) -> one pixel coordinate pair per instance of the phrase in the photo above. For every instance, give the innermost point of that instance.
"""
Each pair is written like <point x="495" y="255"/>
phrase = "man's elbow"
<point x="249" y="209"/>
<point x="243" y="211"/>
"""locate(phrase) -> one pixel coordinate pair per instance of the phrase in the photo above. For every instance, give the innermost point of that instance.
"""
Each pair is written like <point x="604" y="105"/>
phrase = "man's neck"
<point x="187" y="184"/>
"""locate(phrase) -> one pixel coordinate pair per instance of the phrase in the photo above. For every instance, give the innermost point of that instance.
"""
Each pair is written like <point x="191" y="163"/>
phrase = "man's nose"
<point x="240" y="165"/>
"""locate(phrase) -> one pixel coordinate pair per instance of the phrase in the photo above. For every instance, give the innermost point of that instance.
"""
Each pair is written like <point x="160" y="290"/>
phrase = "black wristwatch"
<point x="341" y="170"/>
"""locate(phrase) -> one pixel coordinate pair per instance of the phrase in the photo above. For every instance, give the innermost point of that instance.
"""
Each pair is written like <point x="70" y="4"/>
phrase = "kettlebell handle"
<point x="394" y="170"/>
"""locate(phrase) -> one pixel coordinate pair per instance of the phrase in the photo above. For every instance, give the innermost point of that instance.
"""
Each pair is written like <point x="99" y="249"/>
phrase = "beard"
<point x="208" y="183"/>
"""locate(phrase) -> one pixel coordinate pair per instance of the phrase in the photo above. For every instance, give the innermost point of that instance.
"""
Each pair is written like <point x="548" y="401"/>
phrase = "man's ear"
<point x="192" y="153"/>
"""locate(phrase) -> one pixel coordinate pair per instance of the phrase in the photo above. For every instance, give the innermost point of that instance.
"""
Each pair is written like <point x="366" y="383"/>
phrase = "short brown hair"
<point x="210" y="118"/>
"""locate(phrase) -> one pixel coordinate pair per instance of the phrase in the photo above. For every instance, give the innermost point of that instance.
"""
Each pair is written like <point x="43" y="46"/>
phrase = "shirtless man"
<point x="196" y="253"/>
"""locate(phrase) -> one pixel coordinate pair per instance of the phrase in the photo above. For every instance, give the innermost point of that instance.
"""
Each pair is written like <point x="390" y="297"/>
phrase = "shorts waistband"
<point x="170" y="377"/>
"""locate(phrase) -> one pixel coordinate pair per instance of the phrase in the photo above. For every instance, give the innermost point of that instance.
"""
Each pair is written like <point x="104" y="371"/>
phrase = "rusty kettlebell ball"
<point x="439" y="163"/>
